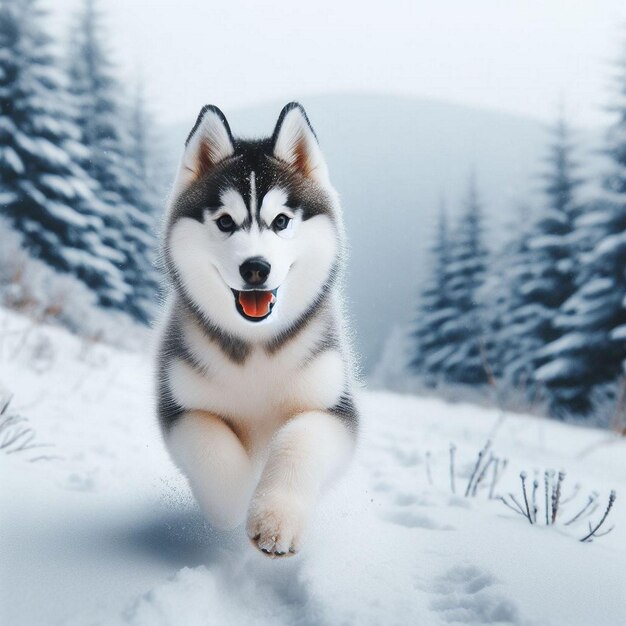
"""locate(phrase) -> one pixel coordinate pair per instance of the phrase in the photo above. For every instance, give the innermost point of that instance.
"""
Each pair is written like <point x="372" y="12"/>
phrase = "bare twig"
<point x="557" y="495"/>
<point x="534" y="499"/>
<point x="479" y="459"/>
<point x="491" y="380"/>
<point x="428" y="473"/>
<point x="572" y="495"/>
<point x="482" y="473"/>
<point x="4" y="403"/>
<point x="524" y="513"/>
<point x="494" y="478"/>
<point x="12" y="432"/>
<point x="528" y="513"/>
<point x="593" y="531"/>
<point x="452" y="478"/>
<point x="513" y="508"/>
<point x="554" y="504"/>
<point x="15" y="434"/>
<point x="592" y="498"/>
<point x="46" y="457"/>
<point x="606" y="532"/>
<point x="499" y="471"/>
<point x="546" y="485"/>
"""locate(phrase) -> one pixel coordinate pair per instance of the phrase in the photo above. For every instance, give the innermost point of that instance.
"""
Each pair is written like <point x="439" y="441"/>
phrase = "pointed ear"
<point x="209" y="142"/>
<point x="295" y="142"/>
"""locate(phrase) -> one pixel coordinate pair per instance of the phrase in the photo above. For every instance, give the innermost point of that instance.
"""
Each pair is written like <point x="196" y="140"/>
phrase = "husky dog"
<point x="254" y="371"/>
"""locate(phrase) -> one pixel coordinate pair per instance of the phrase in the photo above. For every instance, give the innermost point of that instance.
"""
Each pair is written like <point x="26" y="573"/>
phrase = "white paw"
<point x="275" y="524"/>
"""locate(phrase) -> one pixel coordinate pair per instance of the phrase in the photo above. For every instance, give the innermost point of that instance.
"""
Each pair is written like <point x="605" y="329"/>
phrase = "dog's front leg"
<point x="304" y="455"/>
<point x="219" y="469"/>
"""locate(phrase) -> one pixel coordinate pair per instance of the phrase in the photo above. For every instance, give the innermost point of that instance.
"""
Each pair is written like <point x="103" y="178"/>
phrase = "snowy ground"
<point x="104" y="531"/>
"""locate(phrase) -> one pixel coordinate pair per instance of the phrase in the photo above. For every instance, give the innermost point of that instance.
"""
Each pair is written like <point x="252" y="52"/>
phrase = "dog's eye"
<point x="226" y="223"/>
<point x="281" y="222"/>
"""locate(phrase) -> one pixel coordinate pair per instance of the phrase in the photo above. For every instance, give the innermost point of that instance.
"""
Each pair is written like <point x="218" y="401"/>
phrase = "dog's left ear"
<point x="295" y="143"/>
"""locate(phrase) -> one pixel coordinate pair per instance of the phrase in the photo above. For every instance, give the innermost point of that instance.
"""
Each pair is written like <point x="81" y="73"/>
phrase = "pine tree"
<point x="434" y="311"/>
<point x="465" y="279"/>
<point x="509" y="347"/>
<point x="144" y="196"/>
<point x="141" y="137"/>
<point x="543" y="277"/>
<point x="44" y="192"/>
<point x="129" y="225"/>
<point x="99" y="114"/>
<point x="592" y="349"/>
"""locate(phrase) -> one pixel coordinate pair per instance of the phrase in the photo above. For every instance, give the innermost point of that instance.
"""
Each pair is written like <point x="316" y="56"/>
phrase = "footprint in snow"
<point x="382" y="486"/>
<point x="406" y="458"/>
<point x="411" y="519"/>
<point x="466" y="594"/>
<point x="406" y="498"/>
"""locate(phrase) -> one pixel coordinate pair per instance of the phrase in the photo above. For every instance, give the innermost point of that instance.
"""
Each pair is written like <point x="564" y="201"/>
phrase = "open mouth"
<point x="255" y="305"/>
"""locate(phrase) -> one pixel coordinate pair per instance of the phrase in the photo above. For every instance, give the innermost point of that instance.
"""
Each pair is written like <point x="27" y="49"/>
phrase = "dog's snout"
<point x="255" y="271"/>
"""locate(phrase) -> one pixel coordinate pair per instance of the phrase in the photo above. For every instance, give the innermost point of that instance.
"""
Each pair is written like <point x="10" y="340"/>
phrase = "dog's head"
<point x="254" y="231"/>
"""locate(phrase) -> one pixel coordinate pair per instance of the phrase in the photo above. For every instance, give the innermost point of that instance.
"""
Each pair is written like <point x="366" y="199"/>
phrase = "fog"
<point x="520" y="57"/>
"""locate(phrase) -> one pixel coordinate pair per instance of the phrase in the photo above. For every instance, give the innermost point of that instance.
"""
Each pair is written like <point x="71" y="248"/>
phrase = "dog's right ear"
<point x="209" y="143"/>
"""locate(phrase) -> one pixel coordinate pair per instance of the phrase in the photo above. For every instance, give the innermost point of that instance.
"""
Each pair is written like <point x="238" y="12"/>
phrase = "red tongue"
<point x="256" y="303"/>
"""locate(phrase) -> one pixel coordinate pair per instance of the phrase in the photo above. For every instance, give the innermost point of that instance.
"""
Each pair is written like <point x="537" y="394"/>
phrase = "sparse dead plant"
<point x="16" y="435"/>
<point x="554" y="504"/>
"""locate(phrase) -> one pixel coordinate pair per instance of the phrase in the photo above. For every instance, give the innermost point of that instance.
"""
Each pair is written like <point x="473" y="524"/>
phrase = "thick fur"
<point x="259" y="415"/>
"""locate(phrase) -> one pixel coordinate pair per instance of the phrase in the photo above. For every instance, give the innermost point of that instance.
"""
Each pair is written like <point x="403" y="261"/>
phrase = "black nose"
<point x="255" y="271"/>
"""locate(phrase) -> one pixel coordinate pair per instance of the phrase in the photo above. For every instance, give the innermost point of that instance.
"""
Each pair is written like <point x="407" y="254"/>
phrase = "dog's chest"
<point x="266" y="389"/>
<point x="262" y="387"/>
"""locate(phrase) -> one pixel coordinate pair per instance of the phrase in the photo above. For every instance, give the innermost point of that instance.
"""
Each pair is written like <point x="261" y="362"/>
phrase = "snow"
<point x="6" y="197"/>
<point x="58" y="185"/>
<point x="619" y="332"/>
<point x="566" y="343"/>
<point x="597" y="286"/>
<point x="6" y="124"/>
<point x="30" y="285"/>
<point x="65" y="213"/>
<point x="41" y="148"/>
<point x="12" y="159"/>
<point x="545" y="242"/>
<point x="560" y="369"/>
<point x="103" y="530"/>
<point x="610" y="245"/>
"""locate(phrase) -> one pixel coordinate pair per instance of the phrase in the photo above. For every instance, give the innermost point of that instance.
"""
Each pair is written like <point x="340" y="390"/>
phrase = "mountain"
<point x="393" y="159"/>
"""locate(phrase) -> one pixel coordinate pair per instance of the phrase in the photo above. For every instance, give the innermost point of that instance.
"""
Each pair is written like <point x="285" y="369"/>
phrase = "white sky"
<point x="520" y="56"/>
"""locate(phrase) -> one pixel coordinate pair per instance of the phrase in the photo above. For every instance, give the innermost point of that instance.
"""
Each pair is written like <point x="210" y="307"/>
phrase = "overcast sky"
<point x="520" y="56"/>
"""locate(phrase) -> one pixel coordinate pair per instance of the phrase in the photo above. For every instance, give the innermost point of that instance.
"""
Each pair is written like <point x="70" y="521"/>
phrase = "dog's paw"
<point x="275" y="524"/>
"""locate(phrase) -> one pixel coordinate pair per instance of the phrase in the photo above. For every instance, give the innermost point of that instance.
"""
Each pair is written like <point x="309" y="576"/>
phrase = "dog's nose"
<point x="255" y="271"/>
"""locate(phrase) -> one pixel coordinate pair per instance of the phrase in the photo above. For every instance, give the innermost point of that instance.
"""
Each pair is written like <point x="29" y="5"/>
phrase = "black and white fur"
<point x="258" y="413"/>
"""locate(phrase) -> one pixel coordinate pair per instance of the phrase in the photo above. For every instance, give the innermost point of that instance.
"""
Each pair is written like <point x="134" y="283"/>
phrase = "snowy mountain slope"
<point x="393" y="159"/>
<point x="104" y="531"/>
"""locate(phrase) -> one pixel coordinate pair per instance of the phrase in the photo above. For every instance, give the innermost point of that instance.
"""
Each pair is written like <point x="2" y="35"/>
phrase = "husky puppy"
<point x="254" y="372"/>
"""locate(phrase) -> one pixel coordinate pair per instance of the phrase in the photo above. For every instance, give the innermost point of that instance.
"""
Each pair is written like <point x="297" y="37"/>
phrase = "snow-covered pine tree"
<point x="97" y="94"/>
<point x="508" y="348"/>
<point x="591" y="352"/>
<point x="434" y="310"/>
<point x="465" y="278"/>
<point x="44" y="192"/>
<point x="129" y="225"/>
<point x="145" y="196"/>
<point x="543" y="277"/>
